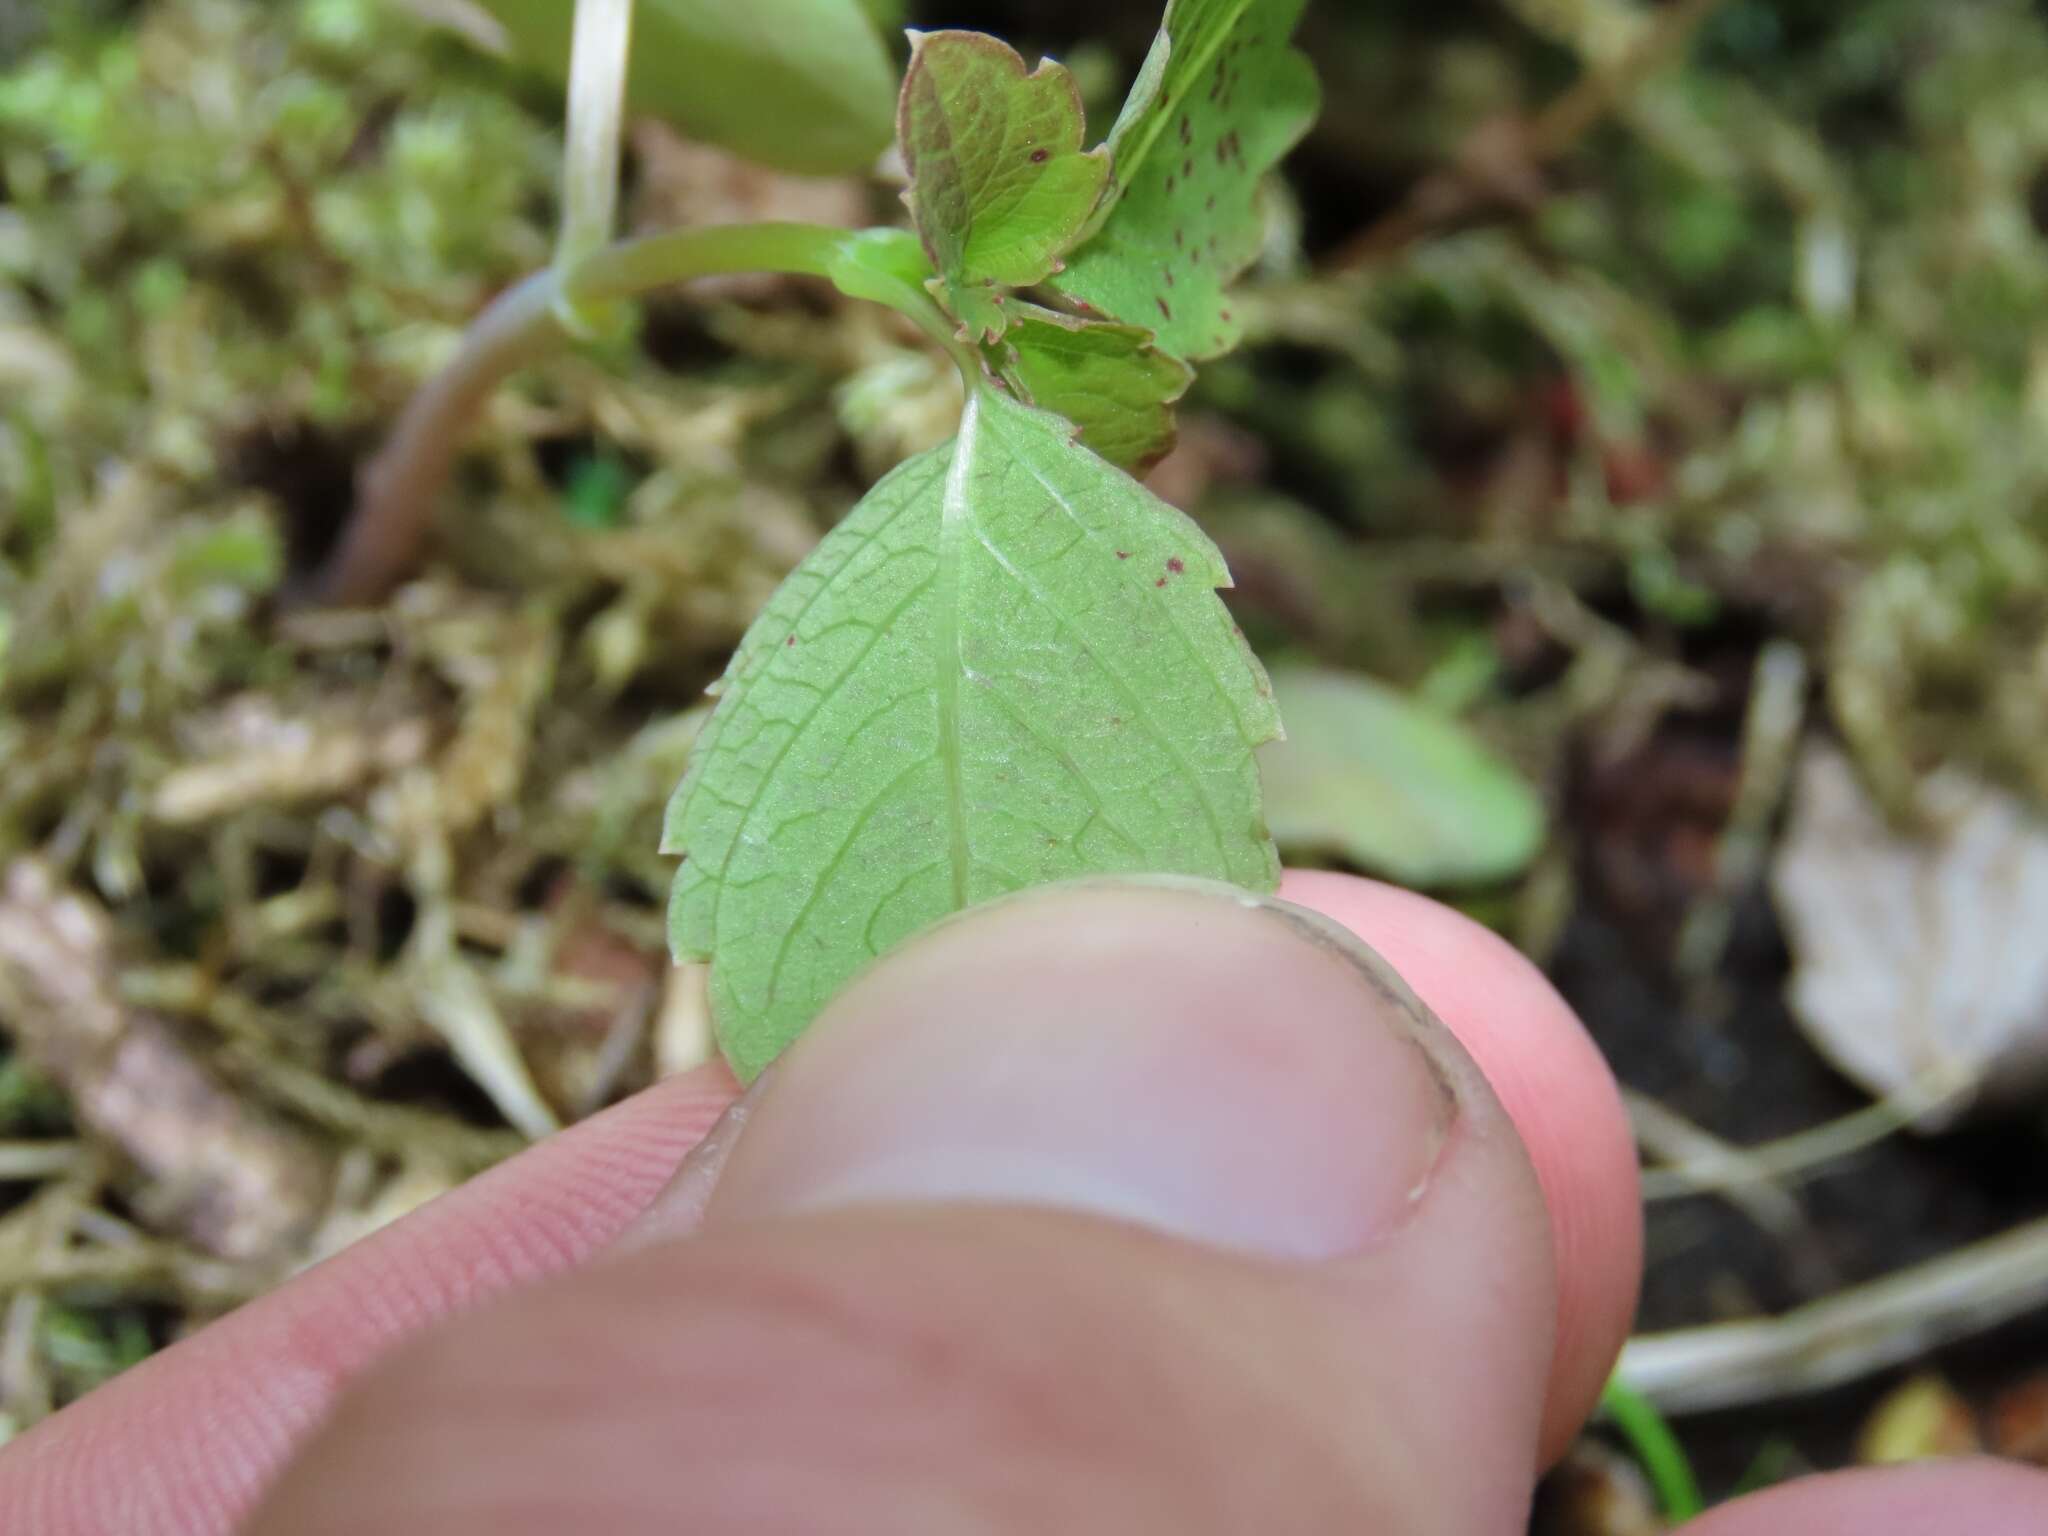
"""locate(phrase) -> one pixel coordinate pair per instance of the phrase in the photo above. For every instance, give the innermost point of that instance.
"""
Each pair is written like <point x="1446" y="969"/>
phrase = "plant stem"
<point x="597" y="97"/>
<point x="675" y="256"/>
<point x="1663" y="1459"/>
<point x="396" y="493"/>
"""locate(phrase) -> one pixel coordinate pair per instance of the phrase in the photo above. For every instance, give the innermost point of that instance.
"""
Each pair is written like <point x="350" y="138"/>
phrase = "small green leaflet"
<point x="1220" y="99"/>
<point x="1393" y="787"/>
<point x="802" y="85"/>
<point x="999" y="184"/>
<point x="1109" y="380"/>
<point x="1008" y="665"/>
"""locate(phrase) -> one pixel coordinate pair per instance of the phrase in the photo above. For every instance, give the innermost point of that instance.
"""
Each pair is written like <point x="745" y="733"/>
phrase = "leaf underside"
<point x="999" y="183"/>
<point x="1109" y="380"/>
<point x="1007" y="666"/>
<point x="1221" y="98"/>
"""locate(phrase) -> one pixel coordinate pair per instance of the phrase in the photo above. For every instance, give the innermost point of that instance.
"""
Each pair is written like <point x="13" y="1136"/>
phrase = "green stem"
<point x="396" y="494"/>
<point x="678" y="255"/>
<point x="1663" y="1459"/>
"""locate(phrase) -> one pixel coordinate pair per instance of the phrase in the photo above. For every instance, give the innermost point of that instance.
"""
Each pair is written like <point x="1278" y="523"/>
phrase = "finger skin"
<point x="1970" y="1498"/>
<point x="1556" y="1088"/>
<point x="1003" y="1371"/>
<point x="182" y="1445"/>
<point x="1208" y="1227"/>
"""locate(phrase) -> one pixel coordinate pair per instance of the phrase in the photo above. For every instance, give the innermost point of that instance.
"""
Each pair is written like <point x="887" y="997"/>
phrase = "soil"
<point x="1750" y="1077"/>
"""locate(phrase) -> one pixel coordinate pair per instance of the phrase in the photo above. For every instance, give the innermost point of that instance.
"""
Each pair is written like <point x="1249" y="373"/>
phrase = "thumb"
<point x="1117" y="1207"/>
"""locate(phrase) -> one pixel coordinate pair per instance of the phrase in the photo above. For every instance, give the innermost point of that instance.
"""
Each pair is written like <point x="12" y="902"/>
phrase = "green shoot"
<point x="1009" y="664"/>
<point x="1656" y="1448"/>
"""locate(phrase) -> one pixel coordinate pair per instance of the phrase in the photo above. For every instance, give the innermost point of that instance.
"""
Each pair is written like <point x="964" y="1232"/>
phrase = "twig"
<point x="1706" y="1164"/>
<point x="623" y="1038"/>
<point x="42" y="1227"/>
<point x="238" y="1183"/>
<point x="1770" y="741"/>
<point x="1841" y="1338"/>
<point x="1800" y="1155"/>
<point x="151" y="1270"/>
<point x="31" y="1160"/>
<point x="1477" y="175"/>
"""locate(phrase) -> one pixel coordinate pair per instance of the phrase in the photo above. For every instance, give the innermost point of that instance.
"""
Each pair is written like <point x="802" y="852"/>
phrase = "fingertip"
<point x="1983" y="1498"/>
<point x="1557" y="1090"/>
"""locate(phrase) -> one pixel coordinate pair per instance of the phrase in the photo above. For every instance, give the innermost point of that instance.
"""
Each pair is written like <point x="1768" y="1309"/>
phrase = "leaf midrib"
<point x="949" y="662"/>
<point x="1198" y="781"/>
<point x="1168" y="103"/>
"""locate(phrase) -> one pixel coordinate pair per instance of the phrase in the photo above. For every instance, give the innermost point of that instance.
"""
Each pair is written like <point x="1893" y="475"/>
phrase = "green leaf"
<point x="1108" y="379"/>
<point x="999" y="184"/>
<point x="801" y="85"/>
<point x="1221" y="98"/>
<point x="1391" y="787"/>
<point x="1007" y="666"/>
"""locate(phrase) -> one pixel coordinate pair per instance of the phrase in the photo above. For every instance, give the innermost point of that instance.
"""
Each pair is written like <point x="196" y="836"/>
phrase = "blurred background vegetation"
<point x="1650" y="398"/>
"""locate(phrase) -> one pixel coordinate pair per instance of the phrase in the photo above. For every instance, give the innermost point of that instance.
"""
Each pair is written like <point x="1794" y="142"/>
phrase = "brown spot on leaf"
<point x="1123" y="554"/>
<point x="1175" y="564"/>
<point x="1040" y="155"/>
<point x="1160" y="582"/>
<point x="790" y="641"/>
<point x="1163" y="309"/>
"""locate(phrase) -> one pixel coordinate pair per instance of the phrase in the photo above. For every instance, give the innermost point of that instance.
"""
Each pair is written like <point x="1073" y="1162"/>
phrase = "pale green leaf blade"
<point x="1108" y="379"/>
<point x="999" y="183"/>
<point x="801" y="85"/>
<point x="1008" y="665"/>
<point x="1220" y="100"/>
<point x="1389" y="786"/>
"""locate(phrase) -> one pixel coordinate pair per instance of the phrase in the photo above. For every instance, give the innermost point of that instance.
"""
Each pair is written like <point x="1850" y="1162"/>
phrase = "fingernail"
<point x="1180" y="1055"/>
